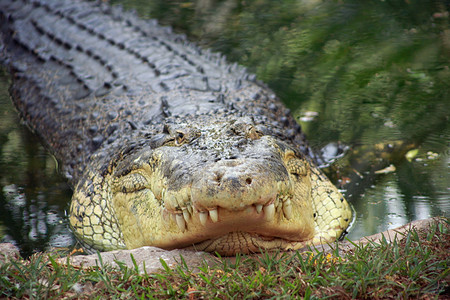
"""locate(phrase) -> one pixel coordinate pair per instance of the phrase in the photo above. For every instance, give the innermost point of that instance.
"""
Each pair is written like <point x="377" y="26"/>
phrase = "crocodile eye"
<point x="180" y="137"/>
<point x="130" y="183"/>
<point x="253" y="133"/>
<point x="177" y="139"/>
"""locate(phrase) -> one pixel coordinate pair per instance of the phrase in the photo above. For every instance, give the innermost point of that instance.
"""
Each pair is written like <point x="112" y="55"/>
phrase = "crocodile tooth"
<point x="269" y="211"/>
<point x="203" y="216"/>
<point x="180" y="222"/>
<point x="214" y="215"/>
<point x="259" y="208"/>
<point x="277" y="203"/>
<point x="287" y="209"/>
<point x="189" y="208"/>
<point x="163" y="195"/>
<point x="186" y="215"/>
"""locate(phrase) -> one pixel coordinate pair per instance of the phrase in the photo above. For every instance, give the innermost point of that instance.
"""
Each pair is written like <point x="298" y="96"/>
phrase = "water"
<point x="33" y="196"/>
<point x="369" y="77"/>
<point x="417" y="190"/>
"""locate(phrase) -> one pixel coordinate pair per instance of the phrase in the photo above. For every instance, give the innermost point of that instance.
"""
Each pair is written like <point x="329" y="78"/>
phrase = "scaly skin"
<point x="216" y="185"/>
<point x="164" y="144"/>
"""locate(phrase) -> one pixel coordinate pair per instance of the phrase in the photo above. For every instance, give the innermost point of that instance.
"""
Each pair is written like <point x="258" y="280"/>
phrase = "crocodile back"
<point x="86" y="74"/>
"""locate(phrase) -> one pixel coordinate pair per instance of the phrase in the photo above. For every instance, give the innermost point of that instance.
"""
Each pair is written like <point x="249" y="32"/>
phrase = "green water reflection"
<point x="33" y="196"/>
<point x="371" y="75"/>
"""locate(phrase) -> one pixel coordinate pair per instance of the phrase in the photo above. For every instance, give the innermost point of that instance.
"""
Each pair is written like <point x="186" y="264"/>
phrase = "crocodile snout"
<point x="237" y="183"/>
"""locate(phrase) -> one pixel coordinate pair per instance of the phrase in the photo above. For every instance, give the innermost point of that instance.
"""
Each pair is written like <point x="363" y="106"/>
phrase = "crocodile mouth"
<point x="257" y="212"/>
<point x="264" y="225"/>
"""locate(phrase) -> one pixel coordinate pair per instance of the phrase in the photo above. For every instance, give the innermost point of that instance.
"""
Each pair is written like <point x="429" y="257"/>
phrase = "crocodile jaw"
<point x="275" y="222"/>
<point x="248" y="230"/>
<point x="246" y="243"/>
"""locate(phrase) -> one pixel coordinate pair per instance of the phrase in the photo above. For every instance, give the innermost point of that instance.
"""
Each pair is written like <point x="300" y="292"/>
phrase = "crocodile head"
<point x="223" y="187"/>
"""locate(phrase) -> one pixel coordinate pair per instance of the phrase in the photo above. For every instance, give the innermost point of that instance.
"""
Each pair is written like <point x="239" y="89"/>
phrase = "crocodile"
<point x="164" y="143"/>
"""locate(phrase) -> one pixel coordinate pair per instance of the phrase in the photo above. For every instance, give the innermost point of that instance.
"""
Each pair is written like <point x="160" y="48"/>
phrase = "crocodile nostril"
<point x="218" y="177"/>
<point x="248" y="180"/>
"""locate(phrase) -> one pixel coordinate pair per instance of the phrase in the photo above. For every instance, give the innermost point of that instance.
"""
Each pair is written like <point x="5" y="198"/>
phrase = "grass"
<point x="415" y="266"/>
